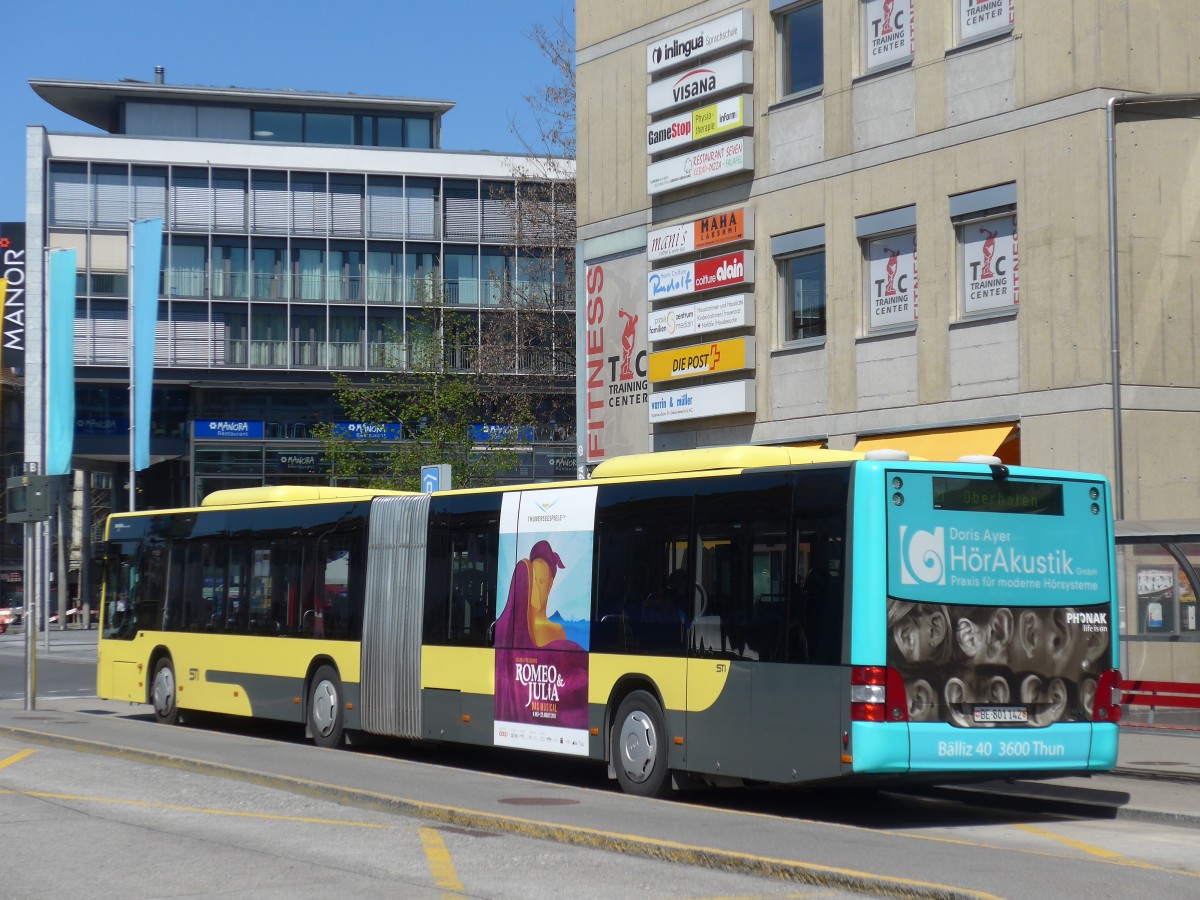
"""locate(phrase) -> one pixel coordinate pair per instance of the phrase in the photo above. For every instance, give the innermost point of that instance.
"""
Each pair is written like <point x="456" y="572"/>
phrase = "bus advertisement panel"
<point x="1000" y="615"/>
<point x="543" y="620"/>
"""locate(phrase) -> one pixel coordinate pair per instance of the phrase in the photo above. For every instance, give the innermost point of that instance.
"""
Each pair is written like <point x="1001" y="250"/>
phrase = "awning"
<point x="948" y="444"/>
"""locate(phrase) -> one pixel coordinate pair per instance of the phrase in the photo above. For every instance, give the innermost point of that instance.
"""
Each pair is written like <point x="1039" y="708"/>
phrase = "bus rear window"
<point x="1031" y="498"/>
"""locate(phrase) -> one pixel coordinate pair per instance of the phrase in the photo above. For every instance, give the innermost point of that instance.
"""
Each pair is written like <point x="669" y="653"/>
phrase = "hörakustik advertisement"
<point x="543" y="623"/>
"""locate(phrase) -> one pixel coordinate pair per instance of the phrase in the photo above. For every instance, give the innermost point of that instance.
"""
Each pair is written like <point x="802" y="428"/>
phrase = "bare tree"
<point x="510" y="365"/>
<point x="533" y="326"/>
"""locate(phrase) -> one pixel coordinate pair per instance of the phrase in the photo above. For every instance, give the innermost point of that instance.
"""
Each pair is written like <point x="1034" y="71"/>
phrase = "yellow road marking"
<point x="174" y="807"/>
<point x="1090" y="849"/>
<point x="440" y="864"/>
<point x="16" y="757"/>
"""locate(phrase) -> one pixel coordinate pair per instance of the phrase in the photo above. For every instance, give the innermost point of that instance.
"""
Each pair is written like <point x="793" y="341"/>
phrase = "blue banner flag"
<point x="147" y="260"/>
<point x="60" y="363"/>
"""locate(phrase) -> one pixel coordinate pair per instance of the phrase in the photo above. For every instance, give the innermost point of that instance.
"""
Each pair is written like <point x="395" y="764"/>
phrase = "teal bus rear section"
<point x="982" y="623"/>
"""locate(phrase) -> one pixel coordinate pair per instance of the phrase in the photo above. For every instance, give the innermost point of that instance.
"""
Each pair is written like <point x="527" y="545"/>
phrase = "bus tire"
<point x="163" y="695"/>
<point x="326" y="712"/>
<point x="638" y="746"/>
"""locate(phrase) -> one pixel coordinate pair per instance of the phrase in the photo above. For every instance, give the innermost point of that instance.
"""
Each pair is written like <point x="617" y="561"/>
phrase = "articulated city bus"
<point x="724" y="616"/>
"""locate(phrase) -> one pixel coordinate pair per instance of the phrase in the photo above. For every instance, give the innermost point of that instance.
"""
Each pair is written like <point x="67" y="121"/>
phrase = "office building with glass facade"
<point x="304" y="234"/>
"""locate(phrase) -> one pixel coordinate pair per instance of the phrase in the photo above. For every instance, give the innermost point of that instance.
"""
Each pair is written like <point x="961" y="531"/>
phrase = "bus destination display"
<point x="1031" y="498"/>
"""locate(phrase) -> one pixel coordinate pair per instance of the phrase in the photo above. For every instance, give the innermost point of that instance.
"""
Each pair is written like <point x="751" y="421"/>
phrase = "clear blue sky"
<point x="476" y="53"/>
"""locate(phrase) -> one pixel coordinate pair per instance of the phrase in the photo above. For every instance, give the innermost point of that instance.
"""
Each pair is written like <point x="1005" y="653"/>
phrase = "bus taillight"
<point x="1106" y="707"/>
<point x="877" y="695"/>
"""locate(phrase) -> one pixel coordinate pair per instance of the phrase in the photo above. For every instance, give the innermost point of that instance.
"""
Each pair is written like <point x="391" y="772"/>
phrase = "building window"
<point x="800" y="256"/>
<point x="887" y="33"/>
<point x="985" y="224"/>
<point x="804" y="284"/>
<point x="285" y="127"/>
<point x="802" y="60"/>
<point x="328" y="128"/>
<point x="984" y="18"/>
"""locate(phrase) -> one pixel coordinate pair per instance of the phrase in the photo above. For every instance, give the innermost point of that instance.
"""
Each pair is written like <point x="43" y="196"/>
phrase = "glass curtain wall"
<point x="320" y="240"/>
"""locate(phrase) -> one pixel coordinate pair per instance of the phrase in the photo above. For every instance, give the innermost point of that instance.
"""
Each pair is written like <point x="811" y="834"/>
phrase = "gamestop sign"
<point x="701" y="83"/>
<point x="729" y="114"/>
<point x="700" y="41"/>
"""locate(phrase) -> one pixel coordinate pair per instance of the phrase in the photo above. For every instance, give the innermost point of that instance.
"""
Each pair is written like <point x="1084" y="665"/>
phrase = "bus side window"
<point x="473" y="554"/>
<point x="740" y="528"/>
<point x="461" y="574"/>
<point x="641" y="602"/>
<point x="817" y="602"/>
<point x="150" y="597"/>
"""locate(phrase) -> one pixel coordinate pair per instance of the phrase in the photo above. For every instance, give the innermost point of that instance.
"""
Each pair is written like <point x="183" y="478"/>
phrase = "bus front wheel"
<point x="639" y="748"/>
<point x="162" y="692"/>
<point x="326" y="719"/>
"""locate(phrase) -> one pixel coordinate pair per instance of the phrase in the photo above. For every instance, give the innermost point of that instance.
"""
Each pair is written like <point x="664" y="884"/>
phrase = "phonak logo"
<point x="922" y="556"/>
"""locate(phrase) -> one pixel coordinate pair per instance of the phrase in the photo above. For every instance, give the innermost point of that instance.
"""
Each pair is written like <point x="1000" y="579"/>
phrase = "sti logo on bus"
<point x="922" y="556"/>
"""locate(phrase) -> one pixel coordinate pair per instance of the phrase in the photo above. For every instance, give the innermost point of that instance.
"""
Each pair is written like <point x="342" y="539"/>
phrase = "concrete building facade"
<point x="929" y="253"/>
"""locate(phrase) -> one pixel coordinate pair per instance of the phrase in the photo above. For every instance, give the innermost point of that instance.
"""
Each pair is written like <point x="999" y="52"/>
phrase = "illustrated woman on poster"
<point x="523" y="623"/>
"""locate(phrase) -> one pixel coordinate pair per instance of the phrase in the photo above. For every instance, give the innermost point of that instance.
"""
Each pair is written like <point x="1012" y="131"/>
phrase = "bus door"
<point x="738" y="630"/>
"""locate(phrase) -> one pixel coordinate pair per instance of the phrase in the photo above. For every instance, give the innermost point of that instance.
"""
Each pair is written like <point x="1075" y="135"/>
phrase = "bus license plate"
<point x="1001" y="714"/>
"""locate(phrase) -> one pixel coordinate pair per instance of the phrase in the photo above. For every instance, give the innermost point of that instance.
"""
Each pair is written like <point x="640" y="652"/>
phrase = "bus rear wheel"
<point x="326" y="716"/>
<point x="638" y="746"/>
<point x="162" y="692"/>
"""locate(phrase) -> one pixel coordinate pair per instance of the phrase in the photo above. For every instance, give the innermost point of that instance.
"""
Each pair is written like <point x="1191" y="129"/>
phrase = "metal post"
<point x="132" y="376"/>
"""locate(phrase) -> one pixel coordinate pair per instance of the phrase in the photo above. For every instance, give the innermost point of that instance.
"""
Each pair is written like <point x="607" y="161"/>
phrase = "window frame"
<point x="781" y="12"/>
<point x="785" y="250"/>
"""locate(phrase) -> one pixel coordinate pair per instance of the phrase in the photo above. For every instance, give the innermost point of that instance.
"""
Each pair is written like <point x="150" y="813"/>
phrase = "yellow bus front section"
<point x="239" y="675"/>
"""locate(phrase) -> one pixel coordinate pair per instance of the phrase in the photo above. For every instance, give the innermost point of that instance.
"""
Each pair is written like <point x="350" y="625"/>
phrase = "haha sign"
<point x="727" y="227"/>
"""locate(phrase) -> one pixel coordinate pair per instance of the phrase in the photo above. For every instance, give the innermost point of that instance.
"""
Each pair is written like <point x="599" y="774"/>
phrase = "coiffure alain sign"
<point x="702" y="275"/>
